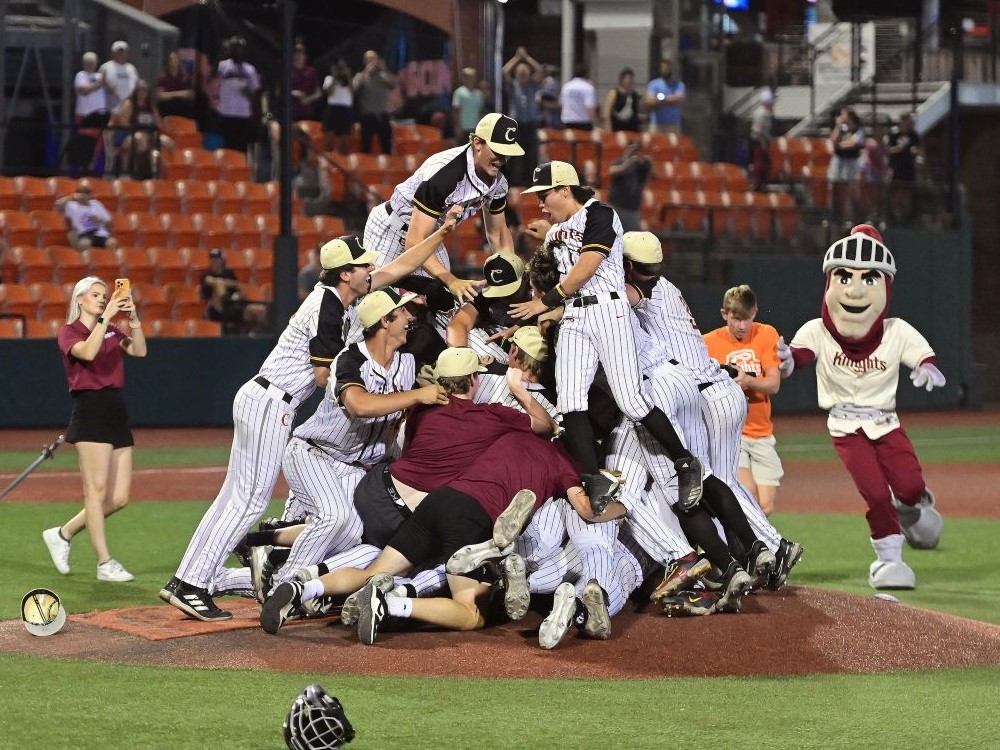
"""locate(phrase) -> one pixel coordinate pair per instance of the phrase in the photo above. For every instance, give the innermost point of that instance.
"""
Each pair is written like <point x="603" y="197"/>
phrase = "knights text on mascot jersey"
<point x="858" y="351"/>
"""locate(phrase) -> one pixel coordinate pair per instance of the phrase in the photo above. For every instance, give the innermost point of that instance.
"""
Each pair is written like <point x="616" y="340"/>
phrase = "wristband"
<point x="553" y="297"/>
<point x="101" y="319"/>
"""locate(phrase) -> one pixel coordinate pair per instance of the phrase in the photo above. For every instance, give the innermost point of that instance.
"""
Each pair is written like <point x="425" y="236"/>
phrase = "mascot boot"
<point x="921" y="523"/>
<point x="889" y="571"/>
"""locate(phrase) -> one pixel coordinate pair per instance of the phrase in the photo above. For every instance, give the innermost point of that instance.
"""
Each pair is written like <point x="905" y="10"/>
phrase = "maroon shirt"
<point x="515" y="462"/>
<point x="306" y="80"/>
<point x="441" y="442"/>
<point x="107" y="370"/>
<point x="171" y="83"/>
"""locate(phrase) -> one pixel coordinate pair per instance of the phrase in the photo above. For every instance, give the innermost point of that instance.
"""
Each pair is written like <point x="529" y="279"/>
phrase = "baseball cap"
<point x="456" y="362"/>
<point x="344" y="251"/>
<point x="552" y="174"/>
<point x="120" y="46"/>
<point x="642" y="247"/>
<point x="499" y="132"/>
<point x="529" y="340"/>
<point x="377" y="305"/>
<point x="503" y="272"/>
<point x="42" y="613"/>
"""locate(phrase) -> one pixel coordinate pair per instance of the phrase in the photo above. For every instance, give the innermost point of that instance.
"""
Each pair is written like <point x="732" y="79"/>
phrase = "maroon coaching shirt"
<point x="515" y="462"/>
<point x="442" y="441"/>
<point x="108" y="368"/>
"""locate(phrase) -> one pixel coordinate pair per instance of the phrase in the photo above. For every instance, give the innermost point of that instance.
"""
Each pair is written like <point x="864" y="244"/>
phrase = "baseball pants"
<point x="624" y="577"/>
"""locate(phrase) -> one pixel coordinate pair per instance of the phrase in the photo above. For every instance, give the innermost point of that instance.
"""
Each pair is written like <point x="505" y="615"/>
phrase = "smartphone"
<point x="124" y="285"/>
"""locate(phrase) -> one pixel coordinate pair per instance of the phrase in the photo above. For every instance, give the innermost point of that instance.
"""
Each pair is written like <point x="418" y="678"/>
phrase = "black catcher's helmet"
<point x="317" y="722"/>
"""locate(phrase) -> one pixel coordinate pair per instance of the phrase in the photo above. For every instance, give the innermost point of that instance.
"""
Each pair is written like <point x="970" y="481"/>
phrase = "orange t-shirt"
<point x="757" y="352"/>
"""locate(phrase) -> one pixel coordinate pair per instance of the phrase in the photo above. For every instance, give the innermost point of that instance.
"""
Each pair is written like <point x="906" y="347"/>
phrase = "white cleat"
<point x="514" y="518"/>
<point x="554" y="626"/>
<point x="471" y="556"/>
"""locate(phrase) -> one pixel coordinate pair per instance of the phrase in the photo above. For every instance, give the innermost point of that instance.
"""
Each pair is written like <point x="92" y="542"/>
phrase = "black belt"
<point x="673" y="361"/>
<point x="590" y="299"/>
<point x="265" y="384"/>
<point x="704" y="386"/>
<point x="393" y="493"/>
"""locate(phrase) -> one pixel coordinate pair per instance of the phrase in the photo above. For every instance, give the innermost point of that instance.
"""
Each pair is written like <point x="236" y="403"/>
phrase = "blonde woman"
<point x="93" y="352"/>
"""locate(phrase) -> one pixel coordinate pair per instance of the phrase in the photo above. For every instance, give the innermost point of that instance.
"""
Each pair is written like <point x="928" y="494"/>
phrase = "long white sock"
<point x="400" y="606"/>
<point x="312" y="590"/>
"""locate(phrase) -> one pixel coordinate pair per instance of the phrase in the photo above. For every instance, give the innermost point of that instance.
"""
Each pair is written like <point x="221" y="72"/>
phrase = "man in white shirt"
<point x="238" y="85"/>
<point x="578" y="98"/>
<point x="120" y="78"/>
<point x="91" y="114"/>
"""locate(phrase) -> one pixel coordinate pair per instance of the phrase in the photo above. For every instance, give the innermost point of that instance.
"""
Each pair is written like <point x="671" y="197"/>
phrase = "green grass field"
<point x="57" y="704"/>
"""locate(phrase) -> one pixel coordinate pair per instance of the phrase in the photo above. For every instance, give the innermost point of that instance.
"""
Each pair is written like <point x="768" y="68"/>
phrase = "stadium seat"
<point x="102" y="263"/>
<point x="197" y="262"/>
<point x="15" y="299"/>
<point x="200" y="328"/>
<point x="68" y="263"/>
<point x="815" y="178"/>
<point x="165" y="197"/>
<point x="257" y="198"/>
<point x="51" y="299"/>
<point x="329" y="227"/>
<point x="734" y="177"/>
<point x="187" y="301"/>
<point x="305" y="229"/>
<point x="214" y="231"/>
<point x="42" y="329"/>
<point x="269" y="226"/>
<point x="133" y="195"/>
<point x="232" y="165"/>
<point x="243" y="231"/>
<point x="51" y="226"/>
<point x="198" y="164"/>
<point x="261" y="262"/>
<point x="786" y="215"/>
<point x="10" y="199"/>
<point x="17" y="229"/>
<point x="183" y="131"/>
<point x="717" y="204"/>
<point x="196" y="196"/>
<point x="32" y="264"/>
<point x="60" y="186"/>
<point x="152" y="302"/>
<point x="171" y="266"/>
<point x="147" y="229"/>
<point x="166" y="328"/>
<point x="182" y="230"/>
<point x="11" y="328"/>
<point x="693" y="213"/>
<point x="227" y="199"/>
<point x="257" y="293"/>
<point x="243" y="268"/>
<point x="134" y="264"/>
<point x="741" y="214"/>
<point x="34" y="192"/>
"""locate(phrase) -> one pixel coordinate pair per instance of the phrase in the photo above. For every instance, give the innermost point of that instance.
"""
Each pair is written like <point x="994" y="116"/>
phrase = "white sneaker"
<point x="58" y="549"/>
<point x="113" y="571"/>
<point x="891" y="575"/>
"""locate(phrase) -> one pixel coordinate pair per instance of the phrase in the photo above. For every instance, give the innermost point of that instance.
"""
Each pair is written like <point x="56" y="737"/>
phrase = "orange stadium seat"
<point x="165" y="197"/>
<point x="196" y="196"/>
<point x="16" y="299"/>
<point x="329" y="227"/>
<point x="815" y="178"/>
<point x="213" y="229"/>
<point x="238" y="261"/>
<point x="51" y="226"/>
<point x="32" y="264"/>
<point x="51" y="299"/>
<point x="197" y="261"/>
<point x="741" y="214"/>
<point x="269" y="226"/>
<point x="232" y="166"/>
<point x="243" y="231"/>
<point x="17" y="228"/>
<point x="60" y="186"/>
<point x="717" y="204"/>
<point x="183" y="131"/>
<point x="148" y="229"/>
<point x="187" y="301"/>
<point x="305" y="229"/>
<point x="786" y="215"/>
<point x="11" y="328"/>
<point x="182" y="230"/>
<point x="227" y="200"/>
<point x="134" y="264"/>
<point x="693" y="213"/>
<point x="257" y="292"/>
<point x="257" y="197"/>
<point x="152" y="302"/>
<point x="42" y="329"/>
<point x="69" y="264"/>
<point x="35" y="195"/>
<point x="102" y="263"/>
<point x="200" y="328"/>
<point x="734" y="177"/>
<point x="133" y="195"/>
<point x="171" y="265"/>
<point x="166" y="328"/>
<point x="261" y="263"/>
<point x="10" y="198"/>
<point x="199" y="164"/>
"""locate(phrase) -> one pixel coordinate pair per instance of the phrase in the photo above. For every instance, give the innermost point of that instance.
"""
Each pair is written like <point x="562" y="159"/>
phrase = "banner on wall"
<point x="833" y="56"/>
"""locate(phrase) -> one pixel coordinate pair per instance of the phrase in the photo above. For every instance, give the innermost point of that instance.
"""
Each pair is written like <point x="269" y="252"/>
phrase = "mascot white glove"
<point x="927" y="376"/>
<point x="787" y="364"/>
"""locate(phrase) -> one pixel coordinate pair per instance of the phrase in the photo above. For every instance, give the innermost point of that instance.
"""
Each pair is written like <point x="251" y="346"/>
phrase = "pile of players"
<point x="566" y="432"/>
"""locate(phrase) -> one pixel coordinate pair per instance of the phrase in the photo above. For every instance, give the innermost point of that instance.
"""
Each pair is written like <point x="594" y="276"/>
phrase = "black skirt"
<point x="99" y="417"/>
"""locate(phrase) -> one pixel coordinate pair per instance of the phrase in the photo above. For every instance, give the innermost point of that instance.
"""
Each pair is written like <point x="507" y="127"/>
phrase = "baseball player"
<point x="596" y="327"/>
<point x="665" y="315"/>
<point x="265" y="406"/>
<point x="528" y="353"/>
<point x="751" y="349"/>
<point x="467" y="176"/>
<point x="858" y="351"/>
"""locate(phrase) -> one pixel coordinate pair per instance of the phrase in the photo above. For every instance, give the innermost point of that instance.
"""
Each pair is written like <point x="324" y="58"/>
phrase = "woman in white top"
<point x="338" y="117"/>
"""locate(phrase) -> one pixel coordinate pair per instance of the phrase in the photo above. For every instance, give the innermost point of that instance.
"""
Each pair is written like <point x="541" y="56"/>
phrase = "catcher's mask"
<point x="316" y="722"/>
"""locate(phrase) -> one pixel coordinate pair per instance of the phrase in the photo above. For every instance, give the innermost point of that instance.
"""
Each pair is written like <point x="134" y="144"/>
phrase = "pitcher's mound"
<point x="796" y="631"/>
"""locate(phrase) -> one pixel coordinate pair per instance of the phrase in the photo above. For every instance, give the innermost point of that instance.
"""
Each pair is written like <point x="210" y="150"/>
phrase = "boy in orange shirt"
<point x="752" y="348"/>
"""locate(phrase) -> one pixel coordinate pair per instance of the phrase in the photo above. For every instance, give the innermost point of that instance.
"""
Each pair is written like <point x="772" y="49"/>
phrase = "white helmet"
<point x="860" y="250"/>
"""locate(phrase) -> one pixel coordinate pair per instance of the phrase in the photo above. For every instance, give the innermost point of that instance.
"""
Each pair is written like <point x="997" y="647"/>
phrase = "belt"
<point x="389" y="212"/>
<point x="266" y="384"/>
<point x="393" y="493"/>
<point x="705" y="386"/>
<point x="673" y="362"/>
<point x="591" y="299"/>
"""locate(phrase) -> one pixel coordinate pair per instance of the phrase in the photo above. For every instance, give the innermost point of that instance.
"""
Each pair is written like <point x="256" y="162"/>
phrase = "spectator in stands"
<point x="524" y="75"/>
<point x="371" y="98"/>
<point x="309" y="273"/>
<point x="875" y="156"/>
<point x="548" y="97"/>
<point x="466" y="106"/>
<point x="338" y="116"/>
<point x="120" y="79"/>
<point x="760" y="141"/>
<point x="238" y="87"/>
<point x="91" y="115"/>
<point x="174" y="90"/>
<point x="88" y="218"/>
<point x="312" y="184"/>
<point x="848" y="138"/>
<point x="628" y="179"/>
<point x="224" y="300"/>
<point x="621" y="105"/>
<point x="578" y="100"/>
<point x="665" y="100"/>
<point x="903" y="144"/>
<point x="306" y="90"/>
<point x="145" y="138"/>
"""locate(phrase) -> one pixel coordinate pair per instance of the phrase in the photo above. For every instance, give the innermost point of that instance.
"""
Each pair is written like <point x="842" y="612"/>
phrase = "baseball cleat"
<point x="595" y="602"/>
<point x="306" y="574"/>
<point x="737" y="582"/>
<point x="684" y="572"/>
<point x="690" y="476"/>
<point x="511" y="522"/>
<point x="554" y="626"/>
<point x="787" y="556"/>
<point x="58" y="549"/>
<point x="602" y="489"/>
<point x="517" y="597"/>
<point x="260" y="571"/>
<point x="690" y="603"/>
<point x="350" y="612"/>
<point x="760" y="563"/>
<point x="279" y="606"/>
<point x="471" y="556"/>
<point x="374" y="610"/>
<point x="169" y="588"/>
<point x="197" y="603"/>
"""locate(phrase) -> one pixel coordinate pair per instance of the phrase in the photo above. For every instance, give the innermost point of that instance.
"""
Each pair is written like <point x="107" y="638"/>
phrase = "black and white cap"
<point x="500" y="134"/>
<point x="860" y="251"/>
<point x="345" y="251"/>
<point x="552" y="174"/>
<point x="503" y="272"/>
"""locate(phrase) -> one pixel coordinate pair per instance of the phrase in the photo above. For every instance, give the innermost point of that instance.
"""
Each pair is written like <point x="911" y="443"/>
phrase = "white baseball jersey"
<point x="493" y="389"/>
<point x="594" y="228"/>
<point x="872" y="382"/>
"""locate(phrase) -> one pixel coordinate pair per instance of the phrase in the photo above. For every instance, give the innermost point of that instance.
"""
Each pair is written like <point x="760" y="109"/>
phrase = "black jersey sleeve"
<point x="329" y="338"/>
<point x="431" y="196"/>
<point x="599" y="230"/>
<point x="349" y="365"/>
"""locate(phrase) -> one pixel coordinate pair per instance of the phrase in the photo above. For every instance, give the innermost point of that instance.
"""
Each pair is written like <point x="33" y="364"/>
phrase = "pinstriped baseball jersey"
<point x="313" y="337"/>
<point x="594" y="228"/>
<point x="493" y="389"/>
<point x="359" y="439"/>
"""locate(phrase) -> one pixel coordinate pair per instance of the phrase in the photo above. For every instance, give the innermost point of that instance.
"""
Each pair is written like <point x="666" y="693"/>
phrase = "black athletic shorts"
<point x="99" y="417"/>
<point x="445" y="521"/>
<point x="379" y="506"/>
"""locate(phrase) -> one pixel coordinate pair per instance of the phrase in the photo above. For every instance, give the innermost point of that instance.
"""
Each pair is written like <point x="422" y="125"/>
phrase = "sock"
<point x="580" y="615"/>
<point x="260" y="538"/>
<point x="579" y="441"/>
<point x="62" y="536"/>
<point x="661" y="429"/>
<point x="279" y="556"/>
<point x="698" y="528"/>
<point x="322" y="569"/>
<point x="726" y="508"/>
<point x="399" y="606"/>
<point x="312" y="590"/>
<point x="404" y="590"/>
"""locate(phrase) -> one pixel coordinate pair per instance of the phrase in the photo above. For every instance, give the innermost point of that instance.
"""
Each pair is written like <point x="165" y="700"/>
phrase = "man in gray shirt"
<point x="371" y="98"/>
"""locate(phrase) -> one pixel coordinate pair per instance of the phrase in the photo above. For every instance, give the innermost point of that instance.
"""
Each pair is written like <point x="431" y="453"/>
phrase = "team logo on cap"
<point x="509" y="135"/>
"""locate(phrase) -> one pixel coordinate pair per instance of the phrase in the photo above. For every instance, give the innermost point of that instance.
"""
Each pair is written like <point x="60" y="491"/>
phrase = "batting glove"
<point x="927" y="376"/>
<point x="787" y="364"/>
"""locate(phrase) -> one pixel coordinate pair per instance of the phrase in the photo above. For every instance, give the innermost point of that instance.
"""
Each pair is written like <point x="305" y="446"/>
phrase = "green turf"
<point x="146" y="707"/>
<point x="65" y="458"/>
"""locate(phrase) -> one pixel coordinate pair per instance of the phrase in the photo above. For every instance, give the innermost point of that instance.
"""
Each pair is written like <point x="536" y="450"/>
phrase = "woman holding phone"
<point x="93" y="351"/>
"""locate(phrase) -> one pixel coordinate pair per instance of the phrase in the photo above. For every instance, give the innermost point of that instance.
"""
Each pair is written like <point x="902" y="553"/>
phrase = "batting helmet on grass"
<point x="316" y="722"/>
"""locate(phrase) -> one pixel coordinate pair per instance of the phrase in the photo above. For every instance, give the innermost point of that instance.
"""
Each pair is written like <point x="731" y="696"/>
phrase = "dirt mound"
<point x="796" y="631"/>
